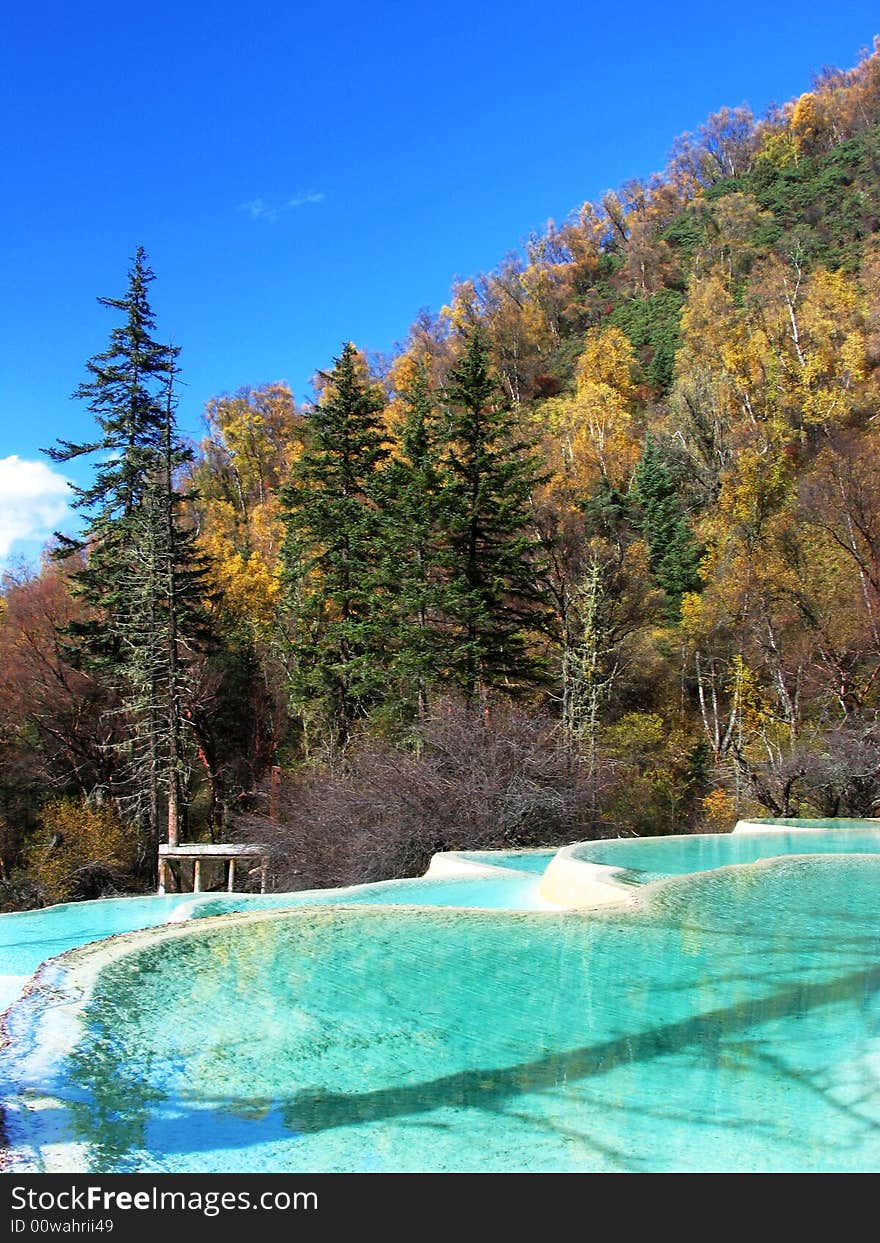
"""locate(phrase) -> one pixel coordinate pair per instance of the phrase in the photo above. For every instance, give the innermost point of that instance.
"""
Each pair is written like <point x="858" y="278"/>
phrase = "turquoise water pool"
<point x="648" y="859"/>
<point x="533" y="861"/>
<point x="29" y="938"/>
<point x="729" y="1020"/>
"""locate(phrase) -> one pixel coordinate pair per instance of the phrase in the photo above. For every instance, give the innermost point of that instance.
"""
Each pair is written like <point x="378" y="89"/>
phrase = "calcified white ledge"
<point x="459" y="863"/>
<point x="577" y="884"/>
<point x="568" y="883"/>
<point x="450" y="863"/>
<point x="758" y="826"/>
<point x="36" y="1044"/>
<point x="573" y="883"/>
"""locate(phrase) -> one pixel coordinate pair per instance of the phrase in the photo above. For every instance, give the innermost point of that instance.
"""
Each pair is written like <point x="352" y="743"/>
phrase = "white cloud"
<point x="259" y="209"/>
<point x="310" y="196"/>
<point x="33" y="501"/>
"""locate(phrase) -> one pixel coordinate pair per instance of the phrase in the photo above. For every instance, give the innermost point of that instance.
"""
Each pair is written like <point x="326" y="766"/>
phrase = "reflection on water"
<point x="732" y="1023"/>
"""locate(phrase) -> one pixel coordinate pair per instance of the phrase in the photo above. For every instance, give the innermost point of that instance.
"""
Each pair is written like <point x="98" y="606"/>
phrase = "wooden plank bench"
<point x="197" y="853"/>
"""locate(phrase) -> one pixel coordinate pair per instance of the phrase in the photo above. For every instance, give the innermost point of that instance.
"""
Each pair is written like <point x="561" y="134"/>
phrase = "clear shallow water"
<point x="29" y="938"/>
<point x="832" y="823"/>
<point x="730" y="1023"/>
<point x="502" y="891"/>
<point x="647" y="859"/>
<point x="519" y="860"/>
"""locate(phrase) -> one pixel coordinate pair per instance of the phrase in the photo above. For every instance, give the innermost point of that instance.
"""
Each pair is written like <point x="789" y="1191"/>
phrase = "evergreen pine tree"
<point x="142" y="578"/>
<point x="334" y="553"/>
<point x="674" y="553"/>
<point x="411" y="495"/>
<point x="124" y="393"/>
<point x="493" y="600"/>
<point x="168" y="625"/>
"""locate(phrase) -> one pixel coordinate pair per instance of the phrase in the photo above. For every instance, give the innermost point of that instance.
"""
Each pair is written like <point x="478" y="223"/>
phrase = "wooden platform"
<point x="197" y="852"/>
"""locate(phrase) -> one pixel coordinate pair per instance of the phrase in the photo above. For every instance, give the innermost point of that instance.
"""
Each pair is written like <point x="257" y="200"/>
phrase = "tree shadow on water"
<point x="127" y="1124"/>
<point x="487" y="1088"/>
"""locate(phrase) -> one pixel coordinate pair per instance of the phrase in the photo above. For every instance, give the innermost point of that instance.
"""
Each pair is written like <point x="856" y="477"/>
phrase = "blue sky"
<point x="304" y="174"/>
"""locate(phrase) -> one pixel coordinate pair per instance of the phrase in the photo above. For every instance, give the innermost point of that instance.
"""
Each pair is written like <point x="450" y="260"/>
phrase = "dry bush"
<point x="842" y="772"/>
<point x="475" y="779"/>
<point x="832" y="773"/>
<point x="80" y="852"/>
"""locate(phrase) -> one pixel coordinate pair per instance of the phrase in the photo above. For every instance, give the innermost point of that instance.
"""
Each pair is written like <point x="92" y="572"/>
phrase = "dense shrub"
<point x="473" y="779"/>
<point x="81" y="851"/>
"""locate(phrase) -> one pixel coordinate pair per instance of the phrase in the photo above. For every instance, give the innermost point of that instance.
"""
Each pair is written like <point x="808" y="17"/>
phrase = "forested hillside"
<point x="596" y="552"/>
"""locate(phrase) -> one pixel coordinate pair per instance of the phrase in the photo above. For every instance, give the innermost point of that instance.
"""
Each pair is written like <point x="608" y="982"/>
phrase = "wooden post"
<point x="274" y="791"/>
<point x="197" y="876"/>
<point x="230" y="879"/>
<point x="161" y="876"/>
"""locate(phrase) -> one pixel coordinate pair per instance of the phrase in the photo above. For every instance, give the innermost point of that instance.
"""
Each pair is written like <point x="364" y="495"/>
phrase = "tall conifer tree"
<point x="142" y="578"/>
<point x="412" y="505"/>
<point x="675" y="554"/>
<point x="333" y="554"/>
<point x="123" y="392"/>
<point x="493" y="600"/>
